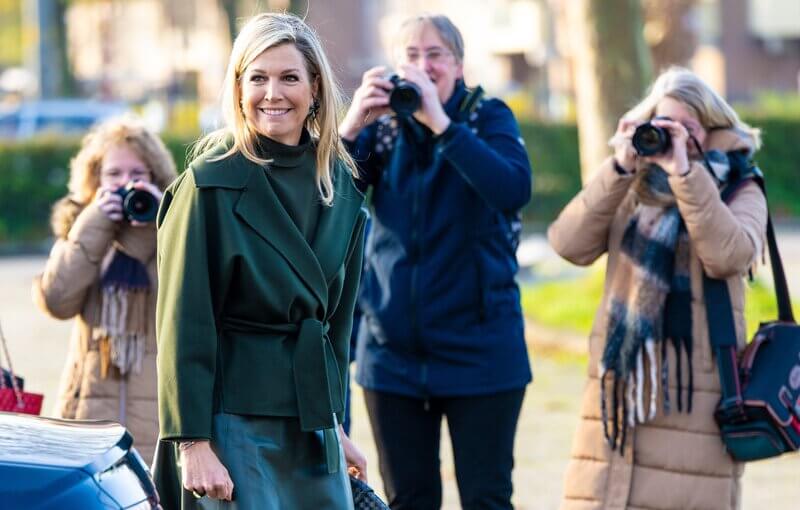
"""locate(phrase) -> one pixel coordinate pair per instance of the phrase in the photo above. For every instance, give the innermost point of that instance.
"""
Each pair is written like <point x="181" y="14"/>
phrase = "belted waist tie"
<point x="316" y="377"/>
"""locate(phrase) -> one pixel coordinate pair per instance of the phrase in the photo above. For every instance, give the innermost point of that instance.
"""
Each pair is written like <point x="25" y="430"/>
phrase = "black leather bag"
<point x="364" y="498"/>
<point x="759" y="413"/>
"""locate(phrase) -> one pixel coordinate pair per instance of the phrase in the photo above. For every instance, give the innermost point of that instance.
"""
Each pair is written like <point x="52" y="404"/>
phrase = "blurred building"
<point x="507" y="41"/>
<point x="750" y="45"/>
<point x="171" y="50"/>
<point x="349" y="32"/>
<point x="135" y="49"/>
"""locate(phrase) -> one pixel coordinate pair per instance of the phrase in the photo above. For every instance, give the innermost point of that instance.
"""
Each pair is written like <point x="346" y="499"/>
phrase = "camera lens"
<point x="405" y="98"/>
<point x="649" y="140"/>
<point x="139" y="205"/>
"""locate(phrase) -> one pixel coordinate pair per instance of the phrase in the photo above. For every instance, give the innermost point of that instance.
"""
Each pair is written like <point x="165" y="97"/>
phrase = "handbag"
<point x="13" y="399"/>
<point x="364" y="498"/>
<point x="759" y="412"/>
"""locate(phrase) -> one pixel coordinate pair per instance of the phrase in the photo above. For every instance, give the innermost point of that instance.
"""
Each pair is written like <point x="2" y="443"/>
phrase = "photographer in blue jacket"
<point x="442" y="330"/>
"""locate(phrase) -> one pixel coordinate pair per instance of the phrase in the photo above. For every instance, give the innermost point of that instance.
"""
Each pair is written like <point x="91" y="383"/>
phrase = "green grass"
<point x="572" y="304"/>
<point x="569" y="304"/>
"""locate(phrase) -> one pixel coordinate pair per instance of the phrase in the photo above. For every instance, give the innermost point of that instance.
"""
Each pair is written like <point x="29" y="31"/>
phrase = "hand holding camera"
<point x="663" y="141"/>
<point x="370" y="101"/>
<point x="624" y="153"/>
<point x="430" y="111"/>
<point x="408" y="93"/>
<point x="136" y="203"/>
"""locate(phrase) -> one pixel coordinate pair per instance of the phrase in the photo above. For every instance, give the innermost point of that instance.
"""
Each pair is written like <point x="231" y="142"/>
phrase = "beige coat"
<point x="677" y="461"/>
<point x="70" y="287"/>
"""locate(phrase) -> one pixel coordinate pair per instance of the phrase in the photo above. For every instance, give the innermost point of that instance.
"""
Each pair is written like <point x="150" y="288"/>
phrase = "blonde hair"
<point x="711" y="109"/>
<point x="259" y="34"/>
<point x="84" y="176"/>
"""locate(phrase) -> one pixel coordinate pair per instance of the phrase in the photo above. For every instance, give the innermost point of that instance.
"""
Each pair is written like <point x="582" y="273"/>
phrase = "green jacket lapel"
<point x="334" y="222"/>
<point x="260" y="208"/>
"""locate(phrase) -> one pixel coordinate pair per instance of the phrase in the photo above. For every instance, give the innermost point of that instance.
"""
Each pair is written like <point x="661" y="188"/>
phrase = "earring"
<point x="314" y="109"/>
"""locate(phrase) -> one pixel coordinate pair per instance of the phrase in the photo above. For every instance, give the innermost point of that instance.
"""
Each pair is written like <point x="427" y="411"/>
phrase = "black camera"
<point x="405" y="98"/>
<point x="649" y="139"/>
<point x="137" y="204"/>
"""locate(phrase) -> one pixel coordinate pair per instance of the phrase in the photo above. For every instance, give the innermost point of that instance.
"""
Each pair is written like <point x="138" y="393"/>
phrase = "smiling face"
<point x="679" y="112"/>
<point x="424" y="48"/>
<point x="277" y="93"/>
<point x="120" y="165"/>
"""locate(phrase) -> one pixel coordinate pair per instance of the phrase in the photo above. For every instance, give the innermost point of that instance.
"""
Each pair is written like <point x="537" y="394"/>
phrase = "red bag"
<point x="13" y="399"/>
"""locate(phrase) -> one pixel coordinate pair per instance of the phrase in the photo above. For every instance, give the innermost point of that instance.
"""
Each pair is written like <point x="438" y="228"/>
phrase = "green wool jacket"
<point x="251" y="319"/>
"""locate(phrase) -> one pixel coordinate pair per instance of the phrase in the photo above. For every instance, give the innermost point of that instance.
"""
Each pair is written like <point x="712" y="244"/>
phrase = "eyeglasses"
<point x="433" y="55"/>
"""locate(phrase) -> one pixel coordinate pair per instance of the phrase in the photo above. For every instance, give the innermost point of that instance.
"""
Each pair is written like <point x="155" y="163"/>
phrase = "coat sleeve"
<point x="493" y="161"/>
<point x="185" y="318"/>
<point x="74" y="264"/>
<point x="342" y="318"/>
<point x="580" y="233"/>
<point x="367" y="160"/>
<point x="728" y="237"/>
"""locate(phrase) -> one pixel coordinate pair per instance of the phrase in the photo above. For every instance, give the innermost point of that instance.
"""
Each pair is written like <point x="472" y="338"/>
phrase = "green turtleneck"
<point x="292" y="174"/>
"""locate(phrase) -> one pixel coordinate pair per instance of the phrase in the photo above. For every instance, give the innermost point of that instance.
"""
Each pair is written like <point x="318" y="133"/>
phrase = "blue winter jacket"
<point x="441" y="308"/>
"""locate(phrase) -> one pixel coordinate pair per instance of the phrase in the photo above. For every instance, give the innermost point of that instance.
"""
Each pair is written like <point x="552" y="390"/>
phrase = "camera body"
<point x="137" y="204"/>
<point x="405" y="98"/>
<point x="649" y="139"/>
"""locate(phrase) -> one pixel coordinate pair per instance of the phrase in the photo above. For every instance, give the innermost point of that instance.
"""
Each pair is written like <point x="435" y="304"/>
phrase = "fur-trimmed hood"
<point x="63" y="216"/>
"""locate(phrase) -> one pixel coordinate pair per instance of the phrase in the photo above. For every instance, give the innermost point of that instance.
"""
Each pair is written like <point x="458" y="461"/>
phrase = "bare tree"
<point x="612" y="69"/>
<point x="669" y="32"/>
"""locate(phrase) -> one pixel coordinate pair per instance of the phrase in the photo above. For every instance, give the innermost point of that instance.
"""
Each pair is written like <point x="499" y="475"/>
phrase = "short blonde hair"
<point x="84" y="176"/>
<point x="711" y="109"/>
<point x="259" y="34"/>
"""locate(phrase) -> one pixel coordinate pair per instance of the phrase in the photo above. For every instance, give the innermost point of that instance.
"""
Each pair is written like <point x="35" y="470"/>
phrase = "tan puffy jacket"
<point x="677" y="461"/>
<point x="70" y="287"/>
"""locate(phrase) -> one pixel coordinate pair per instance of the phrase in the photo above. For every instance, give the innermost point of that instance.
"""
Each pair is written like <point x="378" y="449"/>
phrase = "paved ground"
<point x="38" y="346"/>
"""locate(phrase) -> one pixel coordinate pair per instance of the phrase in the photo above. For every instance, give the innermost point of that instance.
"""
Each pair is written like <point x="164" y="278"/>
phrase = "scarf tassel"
<point x="124" y="321"/>
<point x="683" y="346"/>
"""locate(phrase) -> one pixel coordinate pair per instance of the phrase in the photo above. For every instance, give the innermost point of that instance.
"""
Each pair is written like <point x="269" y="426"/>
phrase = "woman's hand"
<point x="203" y="474"/>
<point x="370" y="101"/>
<point x="109" y="202"/>
<point x="355" y="459"/>
<point x="431" y="112"/>
<point x="153" y="190"/>
<point x="624" y="153"/>
<point x="676" y="160"/>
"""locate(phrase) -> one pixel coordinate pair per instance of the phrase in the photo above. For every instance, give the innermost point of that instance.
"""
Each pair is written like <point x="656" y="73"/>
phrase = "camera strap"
<point x="470" y="102"/>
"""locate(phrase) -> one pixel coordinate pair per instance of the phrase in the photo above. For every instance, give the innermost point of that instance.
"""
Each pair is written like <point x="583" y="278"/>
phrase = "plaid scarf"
<point x="123" y="316"/>
<point x="649" y="308"/>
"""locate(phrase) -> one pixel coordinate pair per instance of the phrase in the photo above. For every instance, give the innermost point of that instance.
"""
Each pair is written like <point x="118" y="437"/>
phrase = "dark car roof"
<point x="51" y="442"/>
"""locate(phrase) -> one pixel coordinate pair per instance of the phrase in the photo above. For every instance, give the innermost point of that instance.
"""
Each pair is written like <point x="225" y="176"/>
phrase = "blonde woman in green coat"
<point x="259" y="247"/>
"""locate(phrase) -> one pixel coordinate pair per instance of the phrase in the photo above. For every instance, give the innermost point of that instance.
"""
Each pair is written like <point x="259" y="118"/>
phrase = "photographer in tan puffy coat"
<point x="102" y="271"/>
<point x="647" y="437"/>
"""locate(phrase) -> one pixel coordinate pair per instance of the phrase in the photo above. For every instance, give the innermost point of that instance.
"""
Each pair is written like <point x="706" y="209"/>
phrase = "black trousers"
<point x="407" y="435"/>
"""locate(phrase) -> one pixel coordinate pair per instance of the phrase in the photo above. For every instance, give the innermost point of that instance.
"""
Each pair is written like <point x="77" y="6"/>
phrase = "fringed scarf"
<point x="649" y="309"/>
<point x="123" y="316"/>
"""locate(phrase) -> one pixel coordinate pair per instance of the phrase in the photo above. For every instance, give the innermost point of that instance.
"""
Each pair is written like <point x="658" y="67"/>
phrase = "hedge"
<point x="553" y="151"/>
<point x="33" y="175"/>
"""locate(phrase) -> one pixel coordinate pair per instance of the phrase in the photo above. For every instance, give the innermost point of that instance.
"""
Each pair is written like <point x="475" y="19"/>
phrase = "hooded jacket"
<point x="70" y="287"/>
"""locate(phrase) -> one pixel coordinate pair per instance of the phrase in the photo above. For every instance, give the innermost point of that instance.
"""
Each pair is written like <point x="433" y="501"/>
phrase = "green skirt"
<point x="273" y="465"/>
